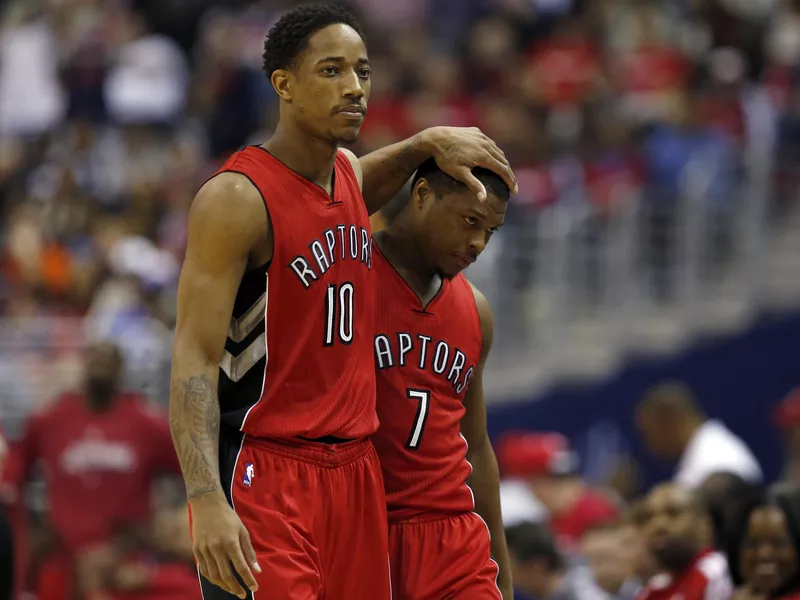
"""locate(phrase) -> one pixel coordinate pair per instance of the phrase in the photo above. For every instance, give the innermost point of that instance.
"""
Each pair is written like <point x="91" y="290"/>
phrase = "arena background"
<point x="656" y="233"/>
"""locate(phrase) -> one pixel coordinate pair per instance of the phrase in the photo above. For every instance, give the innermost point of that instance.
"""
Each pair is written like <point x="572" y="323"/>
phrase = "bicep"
<point x="473" y="424"/>
<point x="224" y="225"/>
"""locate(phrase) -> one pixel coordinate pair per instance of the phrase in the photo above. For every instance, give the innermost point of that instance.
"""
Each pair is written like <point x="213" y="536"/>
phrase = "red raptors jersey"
<point x="298" y="359"/>
<point x="424" y="361"/>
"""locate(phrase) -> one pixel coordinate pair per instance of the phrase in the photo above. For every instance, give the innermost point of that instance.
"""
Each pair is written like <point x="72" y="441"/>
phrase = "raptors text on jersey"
<point x="424" y="359"/>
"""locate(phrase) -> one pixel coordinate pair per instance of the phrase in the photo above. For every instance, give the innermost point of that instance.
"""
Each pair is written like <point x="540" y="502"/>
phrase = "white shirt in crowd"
<point x="715" y="449"/>
<point x="518" y="504"/>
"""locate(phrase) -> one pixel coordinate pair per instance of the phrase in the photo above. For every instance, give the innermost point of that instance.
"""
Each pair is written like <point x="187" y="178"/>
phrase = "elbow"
<point x="190" y="356"/>
<point x="481" y="455"/>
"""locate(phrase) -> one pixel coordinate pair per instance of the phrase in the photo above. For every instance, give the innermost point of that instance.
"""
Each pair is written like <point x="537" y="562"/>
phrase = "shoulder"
<point x="230" y="202"/>
<point x="227" y="190"/>
<point x="355" y="164"/>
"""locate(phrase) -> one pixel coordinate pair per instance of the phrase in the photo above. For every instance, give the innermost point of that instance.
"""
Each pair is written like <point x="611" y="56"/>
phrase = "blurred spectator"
<point x="678" y="532"/>
<point x="643" y="563"/>
<point x="7" y="575"/>
<point x="727" y="497"/>
<point x="675" y="429"/>
<point x="764" y="554"/>
<point x="161" y="567"/>
<point x="611" y="555"/>
<point x="519" y="505"/>
<point x="31" y="97"/>
<point x="550" y="469"/>
<point x="786" y="417"/>
<point x="540" y="572"/>
<point x="99" y="448"/>
<point x="768" y="548"/>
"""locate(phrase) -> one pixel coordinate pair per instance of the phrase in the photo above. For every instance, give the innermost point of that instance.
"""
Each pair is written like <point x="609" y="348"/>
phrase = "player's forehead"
<point x="338" y="41"/>
<point x="494" y="209"/>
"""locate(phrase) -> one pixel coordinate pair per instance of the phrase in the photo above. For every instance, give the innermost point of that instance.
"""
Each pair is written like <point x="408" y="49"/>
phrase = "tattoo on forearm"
<point x="194" y="421"/>
<point x="406" y="161"/>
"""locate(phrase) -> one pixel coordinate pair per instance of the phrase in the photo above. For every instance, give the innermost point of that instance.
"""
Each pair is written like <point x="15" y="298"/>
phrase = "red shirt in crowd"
<point x="99" y="467"/>
<point x="592" y="509"/>
<point x="707" y="578"/>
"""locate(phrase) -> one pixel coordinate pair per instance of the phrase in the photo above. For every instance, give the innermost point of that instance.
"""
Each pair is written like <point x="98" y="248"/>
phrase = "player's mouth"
<point x="464" y="260"/>
<point x="352" y="111"/>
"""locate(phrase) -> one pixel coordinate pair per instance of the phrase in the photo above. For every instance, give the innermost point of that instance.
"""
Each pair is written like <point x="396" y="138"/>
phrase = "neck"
<point x="400" y="246"/>
<point x="309" y="156"/>
<point x="99" y="405"/>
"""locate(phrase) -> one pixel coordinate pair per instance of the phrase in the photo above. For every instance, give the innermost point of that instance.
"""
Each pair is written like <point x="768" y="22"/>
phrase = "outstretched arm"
<point x="226" y="220"/>
<point x="485" y="478"/>
<point x="457" y="151"/>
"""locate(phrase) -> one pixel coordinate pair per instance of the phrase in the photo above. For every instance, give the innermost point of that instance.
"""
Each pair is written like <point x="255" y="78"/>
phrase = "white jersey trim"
<point x="266" y="354"/>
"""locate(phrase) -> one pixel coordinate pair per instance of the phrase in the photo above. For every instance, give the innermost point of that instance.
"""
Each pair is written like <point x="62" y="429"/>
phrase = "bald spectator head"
<point x="675" y="525"/>
<point x="667" y="418"/>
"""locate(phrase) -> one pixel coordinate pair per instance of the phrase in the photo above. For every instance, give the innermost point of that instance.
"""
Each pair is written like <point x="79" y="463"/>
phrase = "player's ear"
<point x="421" y="194"/>
<point x="281" y="81"/>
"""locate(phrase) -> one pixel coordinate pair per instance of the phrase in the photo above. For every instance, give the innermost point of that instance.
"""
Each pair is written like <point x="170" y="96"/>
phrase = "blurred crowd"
<point x="113" y="112"/>
<point x="715" y="532"/>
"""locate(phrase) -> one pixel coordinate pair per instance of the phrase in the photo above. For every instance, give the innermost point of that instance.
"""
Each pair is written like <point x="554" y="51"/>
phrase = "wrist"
<point x="425" y="141"/>
<point x="211" y="495"/>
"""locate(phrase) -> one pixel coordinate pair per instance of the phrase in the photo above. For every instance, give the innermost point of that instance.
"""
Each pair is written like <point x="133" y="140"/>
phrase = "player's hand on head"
<point x="222" y="546"/>
<point x="458" y="150"/>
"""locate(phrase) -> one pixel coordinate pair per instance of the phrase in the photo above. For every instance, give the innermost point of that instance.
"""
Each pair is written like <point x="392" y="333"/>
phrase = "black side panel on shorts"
<point x="6" y="558"/>
<point x="230" y="442"/>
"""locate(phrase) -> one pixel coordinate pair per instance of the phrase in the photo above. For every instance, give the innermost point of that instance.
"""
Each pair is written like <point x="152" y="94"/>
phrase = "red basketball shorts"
<point x="443" y="558"/>
<point x="316" y="514"/>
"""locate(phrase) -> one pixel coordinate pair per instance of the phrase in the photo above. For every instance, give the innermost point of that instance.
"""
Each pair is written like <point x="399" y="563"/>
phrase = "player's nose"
<point x="352" y="87"/>
<point x="477" y="245"/>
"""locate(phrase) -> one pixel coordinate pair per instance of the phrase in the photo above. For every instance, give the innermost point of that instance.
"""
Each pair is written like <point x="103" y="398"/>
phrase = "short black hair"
<point x="442" y="182"/>
<point x="288" y="38"/>
<point x="534" y="541"/>
<point x="671" y="397"/>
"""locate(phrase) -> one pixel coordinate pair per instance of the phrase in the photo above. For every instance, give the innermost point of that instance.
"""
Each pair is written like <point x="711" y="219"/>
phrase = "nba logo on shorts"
<point x="249" y="473"/>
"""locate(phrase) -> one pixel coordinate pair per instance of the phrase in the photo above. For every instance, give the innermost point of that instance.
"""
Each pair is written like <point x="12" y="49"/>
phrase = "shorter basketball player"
<point x="433" y="334"/>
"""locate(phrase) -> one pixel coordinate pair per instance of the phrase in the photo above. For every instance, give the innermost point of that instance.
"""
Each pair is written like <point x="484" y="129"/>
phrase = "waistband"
<point x="319" y="453"/>
<point x="431" y="517"/>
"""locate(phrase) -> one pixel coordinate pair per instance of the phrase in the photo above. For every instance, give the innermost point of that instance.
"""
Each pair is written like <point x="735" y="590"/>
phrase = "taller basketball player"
<point x="273" y="385"/>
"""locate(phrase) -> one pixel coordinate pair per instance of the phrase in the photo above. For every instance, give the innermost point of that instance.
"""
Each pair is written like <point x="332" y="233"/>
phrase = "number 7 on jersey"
<point x="424" y="399"/>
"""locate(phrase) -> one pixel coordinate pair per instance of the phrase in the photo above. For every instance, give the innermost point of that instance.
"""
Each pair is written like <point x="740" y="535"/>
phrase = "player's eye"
<point x="330" y="71"/>
<point x="365" y="73"/>
<point x="493" y="230"/>
<point x="470" y="220"/>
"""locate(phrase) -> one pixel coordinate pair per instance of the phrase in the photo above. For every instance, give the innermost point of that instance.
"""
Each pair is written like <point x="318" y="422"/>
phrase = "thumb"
<point x="248" y="551"/>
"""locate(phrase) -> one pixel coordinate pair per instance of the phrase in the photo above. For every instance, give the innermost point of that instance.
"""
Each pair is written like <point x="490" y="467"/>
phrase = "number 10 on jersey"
<point x="339" y="313"/>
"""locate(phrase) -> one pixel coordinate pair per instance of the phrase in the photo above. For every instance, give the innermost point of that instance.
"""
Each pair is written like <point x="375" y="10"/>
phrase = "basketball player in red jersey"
<point x="432" y="337"/>
<point x="273" y="383"/>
